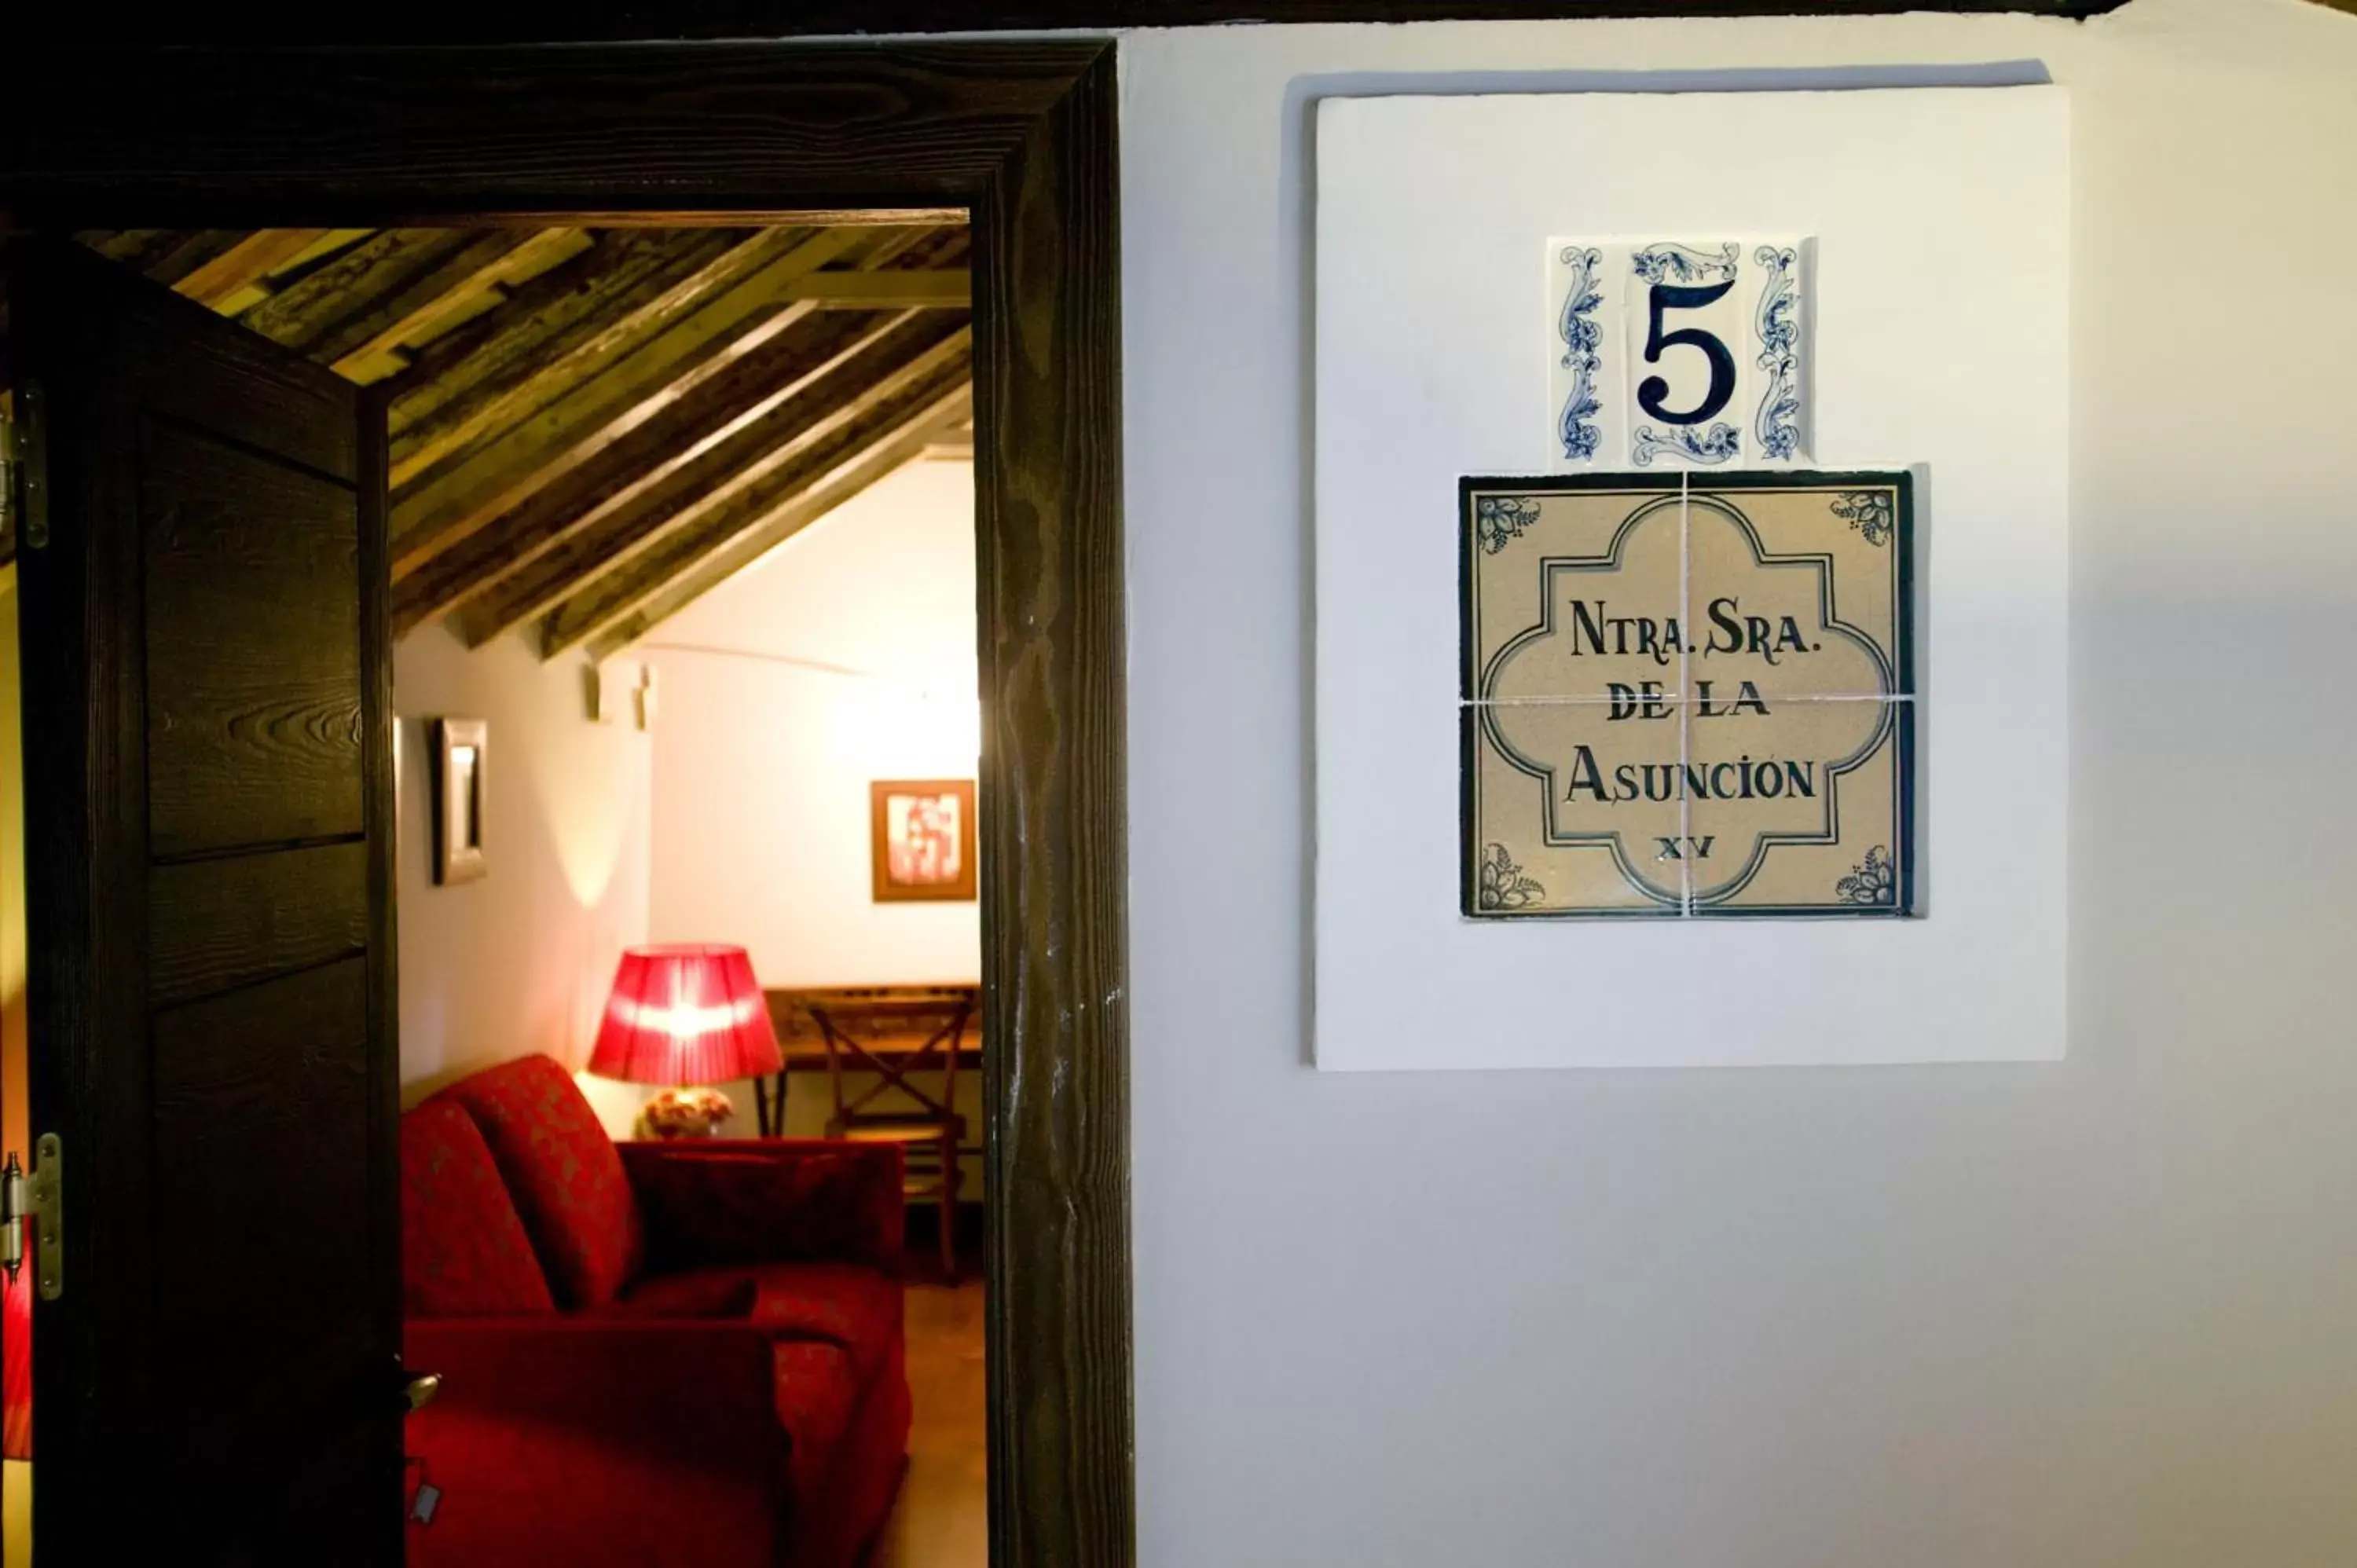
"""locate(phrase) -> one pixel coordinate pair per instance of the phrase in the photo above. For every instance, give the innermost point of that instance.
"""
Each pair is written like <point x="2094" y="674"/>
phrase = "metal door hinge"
<point x="24" y="479"/>
<point x="37" y="1198"/>
<point x="9" y="505"/>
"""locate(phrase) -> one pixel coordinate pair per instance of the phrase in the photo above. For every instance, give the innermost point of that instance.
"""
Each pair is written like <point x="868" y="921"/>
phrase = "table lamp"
<point x="686" y="1015"/>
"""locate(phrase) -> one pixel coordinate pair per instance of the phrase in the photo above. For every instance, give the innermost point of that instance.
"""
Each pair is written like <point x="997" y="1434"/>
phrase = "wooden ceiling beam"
<point x="711" y="431"/>
<point x="951" y="289"/>
<point x="116" y="244"/>
<point x="494" y="476"/>
<point x="245" y="263"/>
<point x="176" y="256"/>
<point x="740" y="475"/>
<point x="892" y="452"/>
<point x="766" y="217"/>
<point x="331" y="241"/>
<point x="374" y="343"/>
<point x="329" y="309"/>
<point x="186" y="251"/>
<point x="721" y="521"/>
<point x="134" y="248"/>
<point x="552" y="332"/>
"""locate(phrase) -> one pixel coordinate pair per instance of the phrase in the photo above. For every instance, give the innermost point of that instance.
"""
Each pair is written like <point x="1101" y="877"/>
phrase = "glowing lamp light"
<point x="686" y="1015"/>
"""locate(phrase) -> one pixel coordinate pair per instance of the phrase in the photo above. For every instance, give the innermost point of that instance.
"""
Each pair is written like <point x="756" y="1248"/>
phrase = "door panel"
<point x="208" y="805"/>
<point x="254" y="656"/>
<point x="253" y="1104"/>
<point x="239" y="919"/>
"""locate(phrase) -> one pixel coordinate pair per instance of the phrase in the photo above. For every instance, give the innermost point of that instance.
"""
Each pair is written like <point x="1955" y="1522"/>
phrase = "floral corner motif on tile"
<point x="1500" y="519"/>
<point x="1502" y="886"/>
<point x="1868" y="511"/>
<point x="1872" y="881"/>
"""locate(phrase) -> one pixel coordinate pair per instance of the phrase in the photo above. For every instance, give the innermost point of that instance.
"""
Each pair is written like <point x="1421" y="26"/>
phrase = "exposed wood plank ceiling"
<point x="592" y="428"/>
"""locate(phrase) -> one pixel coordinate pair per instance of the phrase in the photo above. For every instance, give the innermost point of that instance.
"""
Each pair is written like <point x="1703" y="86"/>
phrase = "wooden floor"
<point x="941" y="1520"/>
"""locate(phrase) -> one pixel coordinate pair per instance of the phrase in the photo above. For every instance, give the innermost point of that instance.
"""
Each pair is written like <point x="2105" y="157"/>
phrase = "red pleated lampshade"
<point x="689" y="1012"/>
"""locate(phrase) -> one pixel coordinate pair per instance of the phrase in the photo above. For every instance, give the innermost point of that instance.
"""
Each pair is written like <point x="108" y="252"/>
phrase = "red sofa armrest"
<point x="718" y="1203"/>
<point x="594" y="1441"/>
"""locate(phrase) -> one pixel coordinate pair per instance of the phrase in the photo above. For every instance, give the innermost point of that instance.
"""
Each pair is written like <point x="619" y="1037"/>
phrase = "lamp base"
<point x="686" y="1113"/>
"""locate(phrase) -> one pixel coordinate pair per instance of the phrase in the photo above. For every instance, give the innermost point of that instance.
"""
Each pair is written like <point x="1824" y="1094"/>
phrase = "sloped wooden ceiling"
<point x="593" y="428"/>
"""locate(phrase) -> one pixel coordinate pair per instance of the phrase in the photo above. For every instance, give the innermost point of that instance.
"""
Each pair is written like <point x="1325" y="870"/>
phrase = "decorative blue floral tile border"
<point x="1678" y="352"/>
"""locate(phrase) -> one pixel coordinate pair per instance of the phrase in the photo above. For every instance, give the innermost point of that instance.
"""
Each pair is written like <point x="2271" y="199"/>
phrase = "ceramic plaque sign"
<point x="1688" y="695"/>
<point x="1490" y="884"/>
<point x="1678" y="352"/>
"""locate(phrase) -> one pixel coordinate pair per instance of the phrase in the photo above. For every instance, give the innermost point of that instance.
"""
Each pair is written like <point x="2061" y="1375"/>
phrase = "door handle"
<point x="419" y="1389"/>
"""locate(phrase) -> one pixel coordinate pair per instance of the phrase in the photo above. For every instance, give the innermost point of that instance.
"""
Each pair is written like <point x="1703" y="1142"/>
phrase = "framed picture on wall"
<point x="921" y="834"/>
<point x="460" y="746"/>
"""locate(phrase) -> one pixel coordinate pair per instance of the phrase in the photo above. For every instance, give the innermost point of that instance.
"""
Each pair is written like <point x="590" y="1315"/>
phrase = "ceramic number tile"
<point x="1677" y="351"/>
<point x="1573" y="589"/>
<point x="1798" y="585"/>
<point x="1572" y="808"/>
<point x="1803" y="807"/>
<point x="1687" y="406"/>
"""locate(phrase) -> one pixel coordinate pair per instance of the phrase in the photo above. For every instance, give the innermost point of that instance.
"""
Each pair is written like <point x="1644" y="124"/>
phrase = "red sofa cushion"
<point x="588" y="1443"/>
<point x="855" y="1501"/>
<point x="798" y="1203"/>
<point x="463" y="1250"/>
<point x="563" y="1172"/>
<point x="594" y="1443"/>
<point x="843" y="1303"/>
<point x="721" y="1298"/>
<point x="816" y="1391"/>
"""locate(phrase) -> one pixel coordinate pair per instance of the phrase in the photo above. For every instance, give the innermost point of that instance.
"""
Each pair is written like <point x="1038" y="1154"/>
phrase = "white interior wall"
<point x="845" y="656"/>
<point x="521" y="960"/>
<point x="741" y="816"/>
<point x="1433" y="350"/>
<point x="2096" y="1311"/>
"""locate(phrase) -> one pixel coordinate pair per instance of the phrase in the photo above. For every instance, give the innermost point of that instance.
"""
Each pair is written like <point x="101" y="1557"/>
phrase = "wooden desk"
<point x="893" y="1024"/>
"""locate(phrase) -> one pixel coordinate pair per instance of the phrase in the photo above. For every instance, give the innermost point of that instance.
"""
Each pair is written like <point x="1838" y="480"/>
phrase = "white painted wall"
<point x="845" y="656"/>
<point x="521" y="960"/>
<point x="742" y="816"/>
<point x="2097" y="1312"/>
<point x="1434" y="343"/>
<point x="766" y="740"/>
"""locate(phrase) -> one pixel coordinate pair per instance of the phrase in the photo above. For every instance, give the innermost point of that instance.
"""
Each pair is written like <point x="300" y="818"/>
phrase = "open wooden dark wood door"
<point x="209" y="809"/>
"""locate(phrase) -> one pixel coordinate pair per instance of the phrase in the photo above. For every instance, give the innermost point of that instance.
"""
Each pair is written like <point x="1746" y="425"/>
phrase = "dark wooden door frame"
<point x="591" y="21"/>
<point x="1021" y="135"/>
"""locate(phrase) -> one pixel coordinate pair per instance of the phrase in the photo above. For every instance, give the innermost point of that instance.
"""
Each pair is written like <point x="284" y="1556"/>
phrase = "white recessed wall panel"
<point x="1938" y="314"/>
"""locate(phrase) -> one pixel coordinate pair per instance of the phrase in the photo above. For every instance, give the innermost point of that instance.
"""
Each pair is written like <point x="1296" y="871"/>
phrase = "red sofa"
<point x="654" y="1355"/>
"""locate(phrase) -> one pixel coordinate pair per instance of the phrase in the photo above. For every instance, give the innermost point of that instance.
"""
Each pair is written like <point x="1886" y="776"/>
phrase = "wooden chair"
<point x="925" y="1125"/>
